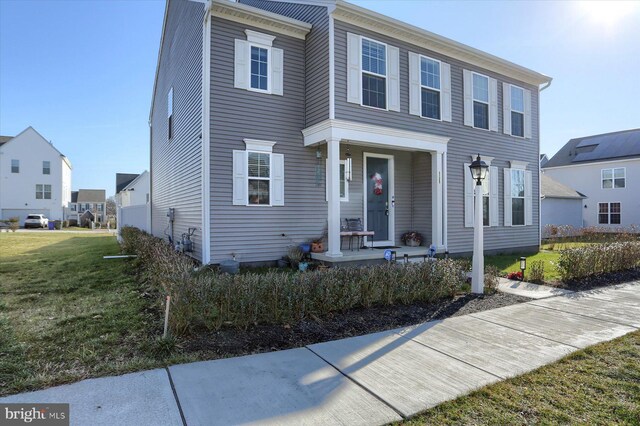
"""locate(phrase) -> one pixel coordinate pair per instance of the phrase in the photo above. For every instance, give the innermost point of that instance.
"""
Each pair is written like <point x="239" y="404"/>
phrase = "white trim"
<point x="608" y="203"/>
<point x="332" y="69"/>
<point x="522" y="165"/>
<point x="385" y="76"/>
<point x="430" y="88"/>
<point x="269" y="61"/>
<point x="263" y="39"/>
<point x="206" y="139"/>
<point x="488" y="102"/>
<point x="523" y="112"/>
<point x="445" y="239"/>
<point x="390" y="197"/>
<point x="437" y="194"/>
<point x="257" y="145"/>
<point x="270" y="178"/>
<point x="346" y="182"/>
<point x="613" y="177"/>
<point x="523" y="198"/>
<point x="591" y="163"/>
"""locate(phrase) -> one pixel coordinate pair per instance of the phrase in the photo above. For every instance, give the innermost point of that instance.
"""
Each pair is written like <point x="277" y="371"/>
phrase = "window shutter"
<point x="277" y="179"/>
<point x="446" y="91"/>
<point x="493" y="196"/>
<point x="277" y="71"/>
<point x="528" y="208"/>
<point x="353" y="68"/>
<point x="414" y="85"/>
<point x="506" y="108"/>
<point x="468" y="97"/>
<point x="528" y="125"/>
<point x="468" y="197"/>
<point x="507" y="197"/>
<point x="493" y="104"/>
<point x="240" y="197"/>
<point x="241" y="65"/>
<point x="393" y="56"/>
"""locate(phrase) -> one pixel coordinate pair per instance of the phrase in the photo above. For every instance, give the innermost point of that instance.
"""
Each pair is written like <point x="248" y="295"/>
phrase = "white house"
<point x="133" y="200"/>
<point x="34" y="177"/>
<point x="605" y="168"/>
<point x="559" y="204"/>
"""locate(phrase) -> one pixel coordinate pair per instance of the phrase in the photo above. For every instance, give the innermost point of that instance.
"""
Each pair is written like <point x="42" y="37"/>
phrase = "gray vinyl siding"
<point x="464" y="141"/>
<point x="316" y="54"/>
<point x="255" y="233"/>
<point x="421" y="195"/>
<point x="176" y="164"/>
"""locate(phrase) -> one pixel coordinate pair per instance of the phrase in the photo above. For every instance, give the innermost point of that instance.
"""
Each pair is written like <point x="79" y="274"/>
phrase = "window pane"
<point x="615" y="218"/>
<point x="603" y="219"/>
<point x="603" y="208"/>
<point x="258" y="165"/>
<point x="517" y="99"/>
<point x="607" y="183"/>
<point x="374" y="57"/>
<point x="615" y="207"/>
<point x="258" y="191"/>
<point x="480" y="88"/>
<point x="259" y="67"/>
<point x="517" y="183"/>
<point x="342" y="182"/>
<point x="619" y="183"/>
<point x="15" y="166"/>
<point x="607" y="173"/>
<point x="480" y="115"/>
<point x="46" y="167"/>
<point x="430" y="73"/>
<point x="618" y="173"/>
<point x="517" y="211"/>
<point x="485" y="211"/>
<point x="374" y="91"/>
<point x="517" y="124"/>
<point x="430" y="104"/>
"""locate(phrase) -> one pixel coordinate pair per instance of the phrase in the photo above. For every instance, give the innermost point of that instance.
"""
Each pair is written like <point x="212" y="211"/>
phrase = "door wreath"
<point x="377" y="183"/>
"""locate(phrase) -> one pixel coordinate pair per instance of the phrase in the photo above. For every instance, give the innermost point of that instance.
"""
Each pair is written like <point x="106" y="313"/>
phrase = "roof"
<point x="4" y="139"/>
<point x="124" y="179"/>
<point x="592" y="149"/>
<point x="550" y="188"/>
<point x="74" y="196"/>
<point x="92" y="196"/>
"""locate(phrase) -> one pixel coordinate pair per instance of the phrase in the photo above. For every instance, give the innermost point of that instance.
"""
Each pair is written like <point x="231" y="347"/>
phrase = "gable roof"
<point x="593" y="149"/>
<point x="124" y="179"/>
<point x="5" y="139"/>
<point x="550" y="188"/>
<point x="91" y="196"/>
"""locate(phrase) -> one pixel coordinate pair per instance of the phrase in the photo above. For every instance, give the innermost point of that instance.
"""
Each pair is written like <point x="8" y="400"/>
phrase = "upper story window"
<point x="374" y="74"/>
<point x="517" y="196"/>
<point x="15" y="166"/>
<point x="100" y="207"/>
<point x="43" y="192"/>
<point x="430" y="87"/>
<point x="170" y="112"/>
<point x="258" y="66"/>
<point x="614" y="178"/>
<point x="517" y="111"/>
<point x="46" y="167"/>
<point x="480" y="101"/>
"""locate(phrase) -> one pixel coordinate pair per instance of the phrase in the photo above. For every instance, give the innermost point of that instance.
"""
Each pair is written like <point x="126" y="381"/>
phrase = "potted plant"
<point x="295" y="256"/>
<point x="412" y="238"/>
<point x="317" y="246"/>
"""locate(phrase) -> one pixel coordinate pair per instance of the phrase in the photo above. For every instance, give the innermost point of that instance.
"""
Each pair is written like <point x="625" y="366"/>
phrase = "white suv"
<point x="36" y="221"/>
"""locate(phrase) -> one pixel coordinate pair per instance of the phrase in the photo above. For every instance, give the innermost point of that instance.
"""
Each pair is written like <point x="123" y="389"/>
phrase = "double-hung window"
<point x="43" y="192"/>
<point x="517" y="196"/>
<point x="480" y="101"/>
<point x="258" y="65"/>
<point x="486" y="192"/>
<point x="614" y="178"/>
<point x="517" y="111"/>
<point x="430" y="87"/>
<point x="258" y="175"/>
<point x="74" y="207"/>
<point x="15" y="166"/>
<point x="609" y="213"/>
<point x="46" y="167"/>
<point x="374" y="74"/>
<point x="259" y="178"/>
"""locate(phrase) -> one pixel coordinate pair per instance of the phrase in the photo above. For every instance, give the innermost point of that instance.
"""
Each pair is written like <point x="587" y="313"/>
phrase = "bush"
<point x="205" y="299"/>
<point x="14" y="224"/>
<point x="491" y="279"/>
<point x="536" y="274"/>
<point x="585" y="261"/>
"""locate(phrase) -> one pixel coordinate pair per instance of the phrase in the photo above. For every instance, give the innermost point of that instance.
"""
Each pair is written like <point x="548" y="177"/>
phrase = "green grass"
<point x="511" y="263"/>
<point x="598" y="385"/>
<point x="66" y="314"/>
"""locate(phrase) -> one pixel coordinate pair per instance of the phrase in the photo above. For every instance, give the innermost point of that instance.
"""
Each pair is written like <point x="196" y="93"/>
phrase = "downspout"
<point x="546" y="86"/>
<point x="205" y="134"/>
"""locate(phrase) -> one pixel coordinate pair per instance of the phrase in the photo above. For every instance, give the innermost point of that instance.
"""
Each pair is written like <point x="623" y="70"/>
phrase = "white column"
<point x="333" y="206"/>
<point x="436" y="199"/>
<point x="477" y="274"/>
<point x="445" y="240"/>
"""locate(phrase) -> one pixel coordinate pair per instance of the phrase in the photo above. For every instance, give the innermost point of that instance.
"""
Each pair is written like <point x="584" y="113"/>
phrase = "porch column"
<point x="437" y="199"/>
<point x="333" y="189"/>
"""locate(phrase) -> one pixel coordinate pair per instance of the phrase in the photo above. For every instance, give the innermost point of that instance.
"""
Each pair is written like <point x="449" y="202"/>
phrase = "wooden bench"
<point x="355" y="228"/>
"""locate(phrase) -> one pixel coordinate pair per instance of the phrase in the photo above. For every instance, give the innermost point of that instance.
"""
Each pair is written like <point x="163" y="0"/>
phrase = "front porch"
<point x="369" y="255"/>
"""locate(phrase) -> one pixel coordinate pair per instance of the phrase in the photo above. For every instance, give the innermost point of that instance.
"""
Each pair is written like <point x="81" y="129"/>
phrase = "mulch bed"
<point x="603" y="280"/>
<point x="228" y="342"/>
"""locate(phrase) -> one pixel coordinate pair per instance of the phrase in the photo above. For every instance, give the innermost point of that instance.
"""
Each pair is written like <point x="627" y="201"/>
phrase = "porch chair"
<point x="354" y="228"/>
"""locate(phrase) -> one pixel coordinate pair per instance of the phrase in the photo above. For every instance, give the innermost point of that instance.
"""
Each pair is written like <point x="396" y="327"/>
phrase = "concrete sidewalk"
<point x="371" y="379"/>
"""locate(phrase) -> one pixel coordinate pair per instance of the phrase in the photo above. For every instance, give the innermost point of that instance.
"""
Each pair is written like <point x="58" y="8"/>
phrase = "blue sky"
<point x="81" y="72"/>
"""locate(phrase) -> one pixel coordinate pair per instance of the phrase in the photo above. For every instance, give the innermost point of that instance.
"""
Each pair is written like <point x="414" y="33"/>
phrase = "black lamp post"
<point x="479" y="171"/>
<point x="523" y="265"/>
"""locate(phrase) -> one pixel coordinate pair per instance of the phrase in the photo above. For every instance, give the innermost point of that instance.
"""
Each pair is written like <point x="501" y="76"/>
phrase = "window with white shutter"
<point x="518" y="195"/>
<point x="480" y="101"/>
<point x="258" y="175"/>
<point x="258" y="66"/>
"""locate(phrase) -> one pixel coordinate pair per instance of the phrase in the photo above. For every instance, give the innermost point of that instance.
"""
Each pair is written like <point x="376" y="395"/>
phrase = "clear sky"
<point x="81" y="72"/>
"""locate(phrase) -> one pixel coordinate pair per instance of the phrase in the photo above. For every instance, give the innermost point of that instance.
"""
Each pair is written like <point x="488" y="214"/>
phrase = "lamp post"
<point x="479" y="172"/>
<point x="523" y="265"/>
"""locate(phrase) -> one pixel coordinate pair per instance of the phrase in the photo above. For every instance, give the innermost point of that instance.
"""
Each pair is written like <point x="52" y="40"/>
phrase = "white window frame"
<point x="608" y="204"/>
<point x="524" y="115"/>
<point x="42" y="191"/>
<point x="268" y="49"/>
<point x="73" y="207"/>
<point x="386" y="76"/>
<point x="260" y="147"/>
<point x="12" y="166"/>
<point x="488" y="102"/>
<point x="431" y="88"/>
<point x="524" y="207"/>
<point x="487" y="180"/>
<point x="47" y="168"/>
<point x="343" y="177"/>
<point x="613" y="177"/>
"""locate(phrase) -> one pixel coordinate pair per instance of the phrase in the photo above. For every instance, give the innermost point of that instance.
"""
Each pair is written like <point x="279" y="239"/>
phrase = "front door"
<point x="378" y="175"/>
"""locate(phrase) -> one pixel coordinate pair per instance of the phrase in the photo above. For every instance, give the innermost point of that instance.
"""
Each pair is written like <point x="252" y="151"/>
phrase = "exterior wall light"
<point x="348" y="166"/>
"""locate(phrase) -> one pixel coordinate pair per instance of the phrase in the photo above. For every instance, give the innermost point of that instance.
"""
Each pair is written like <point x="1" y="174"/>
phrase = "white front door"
<point x="378" y="186"/>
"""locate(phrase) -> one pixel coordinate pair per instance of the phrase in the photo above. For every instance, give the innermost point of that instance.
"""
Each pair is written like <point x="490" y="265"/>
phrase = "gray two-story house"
<point x="272" y="122"/>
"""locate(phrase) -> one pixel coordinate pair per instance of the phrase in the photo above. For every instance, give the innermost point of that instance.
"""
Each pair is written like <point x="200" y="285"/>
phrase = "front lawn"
<point x="511" y="263"/>
<point x="597" y="385"/>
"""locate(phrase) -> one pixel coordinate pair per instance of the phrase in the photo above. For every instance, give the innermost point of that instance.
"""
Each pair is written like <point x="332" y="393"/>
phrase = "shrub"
<point x="536" y="274"/>
<point x="491" y="279"/>
<point x="206" y="299"/>
<point x="14" y="224"/>
<point x="585" y="261"/>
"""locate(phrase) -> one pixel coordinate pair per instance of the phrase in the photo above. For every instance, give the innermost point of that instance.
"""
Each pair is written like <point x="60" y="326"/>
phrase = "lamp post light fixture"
<point x="523" y="265"/>
<point x="348" y="170"/>
<point x="479" y="171"/>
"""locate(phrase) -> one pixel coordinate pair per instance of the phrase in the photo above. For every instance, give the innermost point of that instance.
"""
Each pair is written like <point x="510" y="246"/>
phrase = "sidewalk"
<point x="371" y="379"/>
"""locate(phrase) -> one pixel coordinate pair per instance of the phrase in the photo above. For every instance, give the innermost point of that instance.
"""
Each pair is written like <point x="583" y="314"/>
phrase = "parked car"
<point x="36" y="221"/>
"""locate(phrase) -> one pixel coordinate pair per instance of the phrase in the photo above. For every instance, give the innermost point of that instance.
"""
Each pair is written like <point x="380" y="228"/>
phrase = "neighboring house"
<point x="607" y="169"/>
<point x="34" y="177"/>
<point x="250" y="121"/>
<point x="559" y="205"/>
<point x="133" y="201"/>
<point x="543" y="160"/>
<point x="87" y="205"/>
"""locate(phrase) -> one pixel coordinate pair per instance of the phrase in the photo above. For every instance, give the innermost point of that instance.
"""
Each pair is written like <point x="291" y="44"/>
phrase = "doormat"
<point x="386" y="247"/>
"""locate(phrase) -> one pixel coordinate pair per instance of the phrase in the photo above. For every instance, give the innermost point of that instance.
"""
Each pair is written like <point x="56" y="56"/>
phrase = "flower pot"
<point x="317" y="247"/>
<point x="302" y="266"/>
<point x="305" y="247"/>
<point x="413" y="243"/>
